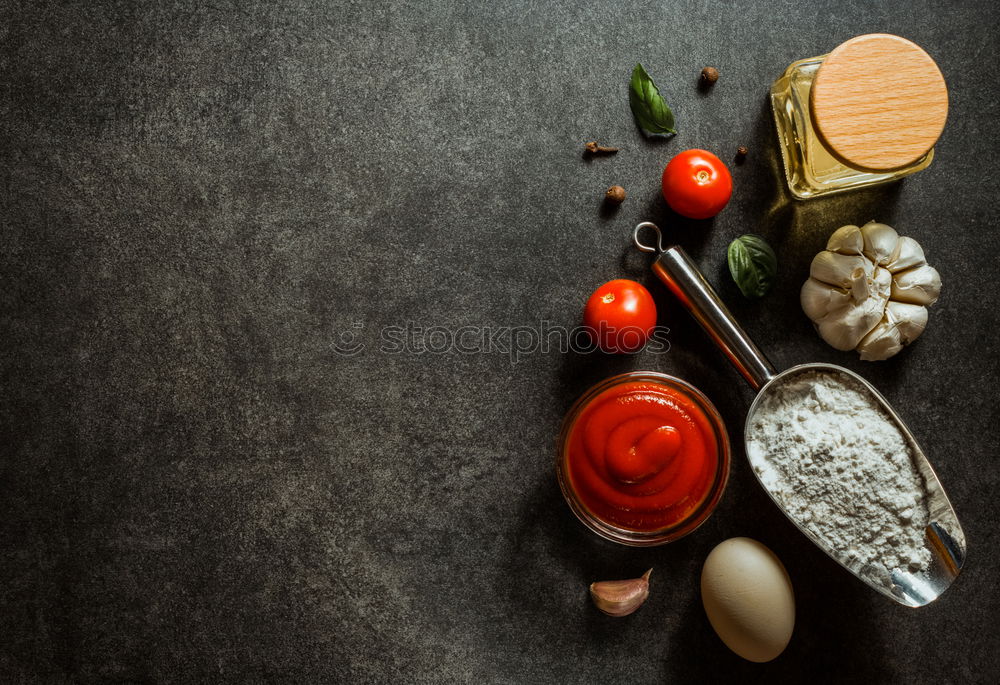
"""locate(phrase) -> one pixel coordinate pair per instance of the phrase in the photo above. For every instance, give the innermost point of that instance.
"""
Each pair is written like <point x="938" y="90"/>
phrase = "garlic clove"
<point x="909" y="319"/>
<point x="846" y="240"/>
<point x="840" y="270"/>
<point x="819" y="299"/>
<point x="882" y="342"/>
<point x="620" y="597"/>
<point x="882" y="281"/>
<point x="843" y="330"/>
<point x="839" y="335"/>
<point x="919" y="285"/>
<point x="880" y="242"/>
<point x="908" y="255"/>
<point x="902" y="324"/>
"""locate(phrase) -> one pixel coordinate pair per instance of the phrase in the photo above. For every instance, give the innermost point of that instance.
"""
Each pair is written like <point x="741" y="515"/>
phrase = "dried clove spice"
<point x="593" y="148"/>
<point x="615" y="195"/>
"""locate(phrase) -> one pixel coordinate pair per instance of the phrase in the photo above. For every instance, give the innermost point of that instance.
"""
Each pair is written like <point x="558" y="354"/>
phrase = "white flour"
<point x="840" y="467"/>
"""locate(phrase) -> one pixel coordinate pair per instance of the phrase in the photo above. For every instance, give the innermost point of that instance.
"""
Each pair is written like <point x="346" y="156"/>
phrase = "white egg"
<point x="748" y="598"/>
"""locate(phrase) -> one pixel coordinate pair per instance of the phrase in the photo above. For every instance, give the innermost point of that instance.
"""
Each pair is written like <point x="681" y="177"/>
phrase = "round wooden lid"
<point x="879" y="102"/>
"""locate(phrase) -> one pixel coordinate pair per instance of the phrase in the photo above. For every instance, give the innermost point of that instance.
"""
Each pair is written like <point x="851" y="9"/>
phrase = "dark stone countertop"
<point x="201" y="201"/>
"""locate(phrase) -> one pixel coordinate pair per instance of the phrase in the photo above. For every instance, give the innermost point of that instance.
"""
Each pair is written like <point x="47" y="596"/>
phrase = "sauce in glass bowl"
<point x="643" y="458"/>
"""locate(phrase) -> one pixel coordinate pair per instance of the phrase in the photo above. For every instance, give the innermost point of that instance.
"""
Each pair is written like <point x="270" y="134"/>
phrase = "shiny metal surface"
<point x="943" y="535"/>
<point x="685" y="281"/>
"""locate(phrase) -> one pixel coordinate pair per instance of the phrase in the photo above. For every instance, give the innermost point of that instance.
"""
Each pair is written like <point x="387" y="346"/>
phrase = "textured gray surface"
<point x="200" y="200"/>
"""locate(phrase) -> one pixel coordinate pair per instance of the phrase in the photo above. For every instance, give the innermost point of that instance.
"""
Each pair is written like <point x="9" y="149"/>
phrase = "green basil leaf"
<point x="647" y="104"/>
<point x="752" y="264"/>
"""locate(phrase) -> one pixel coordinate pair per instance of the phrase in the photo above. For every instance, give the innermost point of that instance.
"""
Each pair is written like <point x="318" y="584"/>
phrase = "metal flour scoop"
<point x="943" y="535"/>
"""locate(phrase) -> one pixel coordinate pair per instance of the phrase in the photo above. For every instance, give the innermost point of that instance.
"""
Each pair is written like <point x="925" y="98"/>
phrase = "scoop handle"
<point x="686" y="282"/>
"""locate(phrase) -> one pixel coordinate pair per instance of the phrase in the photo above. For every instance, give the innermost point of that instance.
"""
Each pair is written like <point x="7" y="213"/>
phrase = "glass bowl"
<point x="696" y="516"/>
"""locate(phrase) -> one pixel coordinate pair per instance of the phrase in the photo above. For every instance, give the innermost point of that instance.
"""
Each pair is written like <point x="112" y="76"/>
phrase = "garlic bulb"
<point x="869" y="290"/>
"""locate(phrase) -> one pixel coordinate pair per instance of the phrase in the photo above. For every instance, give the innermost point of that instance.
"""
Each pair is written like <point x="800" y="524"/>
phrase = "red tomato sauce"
<point x="641" y="456"/>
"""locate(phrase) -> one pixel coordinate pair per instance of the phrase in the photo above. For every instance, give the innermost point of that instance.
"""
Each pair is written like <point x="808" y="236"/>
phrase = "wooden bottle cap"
<point x="879" y="102"/>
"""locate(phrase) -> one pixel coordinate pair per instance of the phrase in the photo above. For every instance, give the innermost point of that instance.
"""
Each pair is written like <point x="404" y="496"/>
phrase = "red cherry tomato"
<point x="696" y="184"/>
<point x="621" y="315"/>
